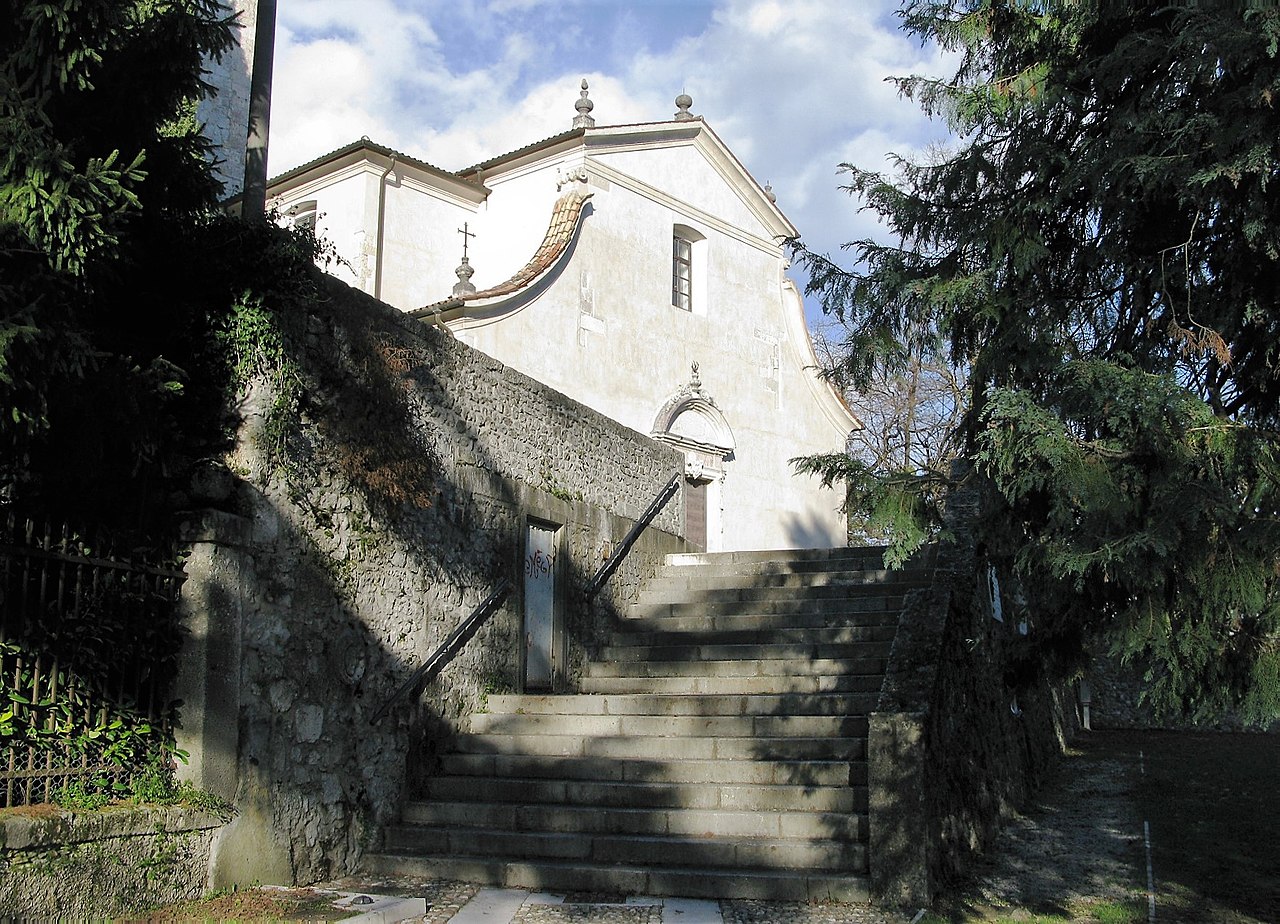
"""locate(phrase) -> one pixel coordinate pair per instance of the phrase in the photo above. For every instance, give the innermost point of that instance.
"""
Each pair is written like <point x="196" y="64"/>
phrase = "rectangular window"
<point x="682" y="273"/>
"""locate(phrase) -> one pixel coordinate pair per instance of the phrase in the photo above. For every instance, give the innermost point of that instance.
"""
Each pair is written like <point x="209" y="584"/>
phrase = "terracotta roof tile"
<point x="564" y="222"/>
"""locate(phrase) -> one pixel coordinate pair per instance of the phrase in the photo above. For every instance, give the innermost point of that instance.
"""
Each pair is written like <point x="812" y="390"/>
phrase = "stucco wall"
<point x="600" y="327"/>
<point x="61" y="865"/>
<point x="622" y="348"/>
<point x="398" y="497"/>
<point x="953" y="748"/>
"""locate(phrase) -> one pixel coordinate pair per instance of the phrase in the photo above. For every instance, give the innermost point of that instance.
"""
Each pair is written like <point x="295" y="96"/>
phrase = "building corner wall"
<point x="225" y="113"/>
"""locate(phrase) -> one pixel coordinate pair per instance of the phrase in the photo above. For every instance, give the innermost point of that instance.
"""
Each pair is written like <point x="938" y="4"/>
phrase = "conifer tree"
<point x="1100" y="251"/>
<point x="103" y="181"/>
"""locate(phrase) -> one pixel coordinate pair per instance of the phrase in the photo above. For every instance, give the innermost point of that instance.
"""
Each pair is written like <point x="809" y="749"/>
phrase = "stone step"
<point x="827" y="635"/>
<point x="723" y="686"/>
<point x="574" y="876"/>
<point x="685" y="704"/>
<point x="717" y="747"/>
<point x="779" y="651"/>
<point x="682" y="579"/>
<point x="694" y="621"/>
<point x="759" y="772"/>
<point x="668" y="726"/>
<point x="611" y="820"/>
<point x="694" y="795"/>
<point x="662" y="749"/>
<point x="798" y="559"/>
<point x="835" y="610"/>
<point x="764" y="667"/>
<point x="755" y="594"/>
<point x="652" y="852"/>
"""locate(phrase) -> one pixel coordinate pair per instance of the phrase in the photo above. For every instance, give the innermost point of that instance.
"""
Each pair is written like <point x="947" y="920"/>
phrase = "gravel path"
<point x="1078" y="844"/>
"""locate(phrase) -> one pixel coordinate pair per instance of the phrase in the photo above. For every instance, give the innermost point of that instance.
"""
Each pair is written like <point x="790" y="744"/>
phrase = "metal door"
<point x="540" y="606"/>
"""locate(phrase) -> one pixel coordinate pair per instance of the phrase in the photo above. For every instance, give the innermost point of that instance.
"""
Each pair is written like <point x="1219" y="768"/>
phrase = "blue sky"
<point x="794" y="87"/>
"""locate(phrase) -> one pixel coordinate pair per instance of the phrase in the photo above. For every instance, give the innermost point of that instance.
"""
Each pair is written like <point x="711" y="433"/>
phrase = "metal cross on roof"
<point x="465" y="234"/>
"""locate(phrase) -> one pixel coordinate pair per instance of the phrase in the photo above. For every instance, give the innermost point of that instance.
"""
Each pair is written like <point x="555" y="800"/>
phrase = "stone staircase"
<point x="717" y="747"/>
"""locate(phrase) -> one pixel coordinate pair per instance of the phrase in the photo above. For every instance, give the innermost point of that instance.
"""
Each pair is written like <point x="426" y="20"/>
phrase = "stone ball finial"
<point x="464" y="285"/>
<point x="584" y="107"/>
<point x="683" y="102"/>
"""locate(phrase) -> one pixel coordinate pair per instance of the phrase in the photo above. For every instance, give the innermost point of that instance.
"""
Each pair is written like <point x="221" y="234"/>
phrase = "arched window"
<point x="302" y="214"/>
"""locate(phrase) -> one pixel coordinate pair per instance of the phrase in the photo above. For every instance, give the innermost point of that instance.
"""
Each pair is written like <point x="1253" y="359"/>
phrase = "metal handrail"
<point x="461" y="634"/>
<point x="655" y="507"/>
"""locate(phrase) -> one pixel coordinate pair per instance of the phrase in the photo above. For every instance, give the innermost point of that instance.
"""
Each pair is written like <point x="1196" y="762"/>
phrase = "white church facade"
<point x="638" y="269"/>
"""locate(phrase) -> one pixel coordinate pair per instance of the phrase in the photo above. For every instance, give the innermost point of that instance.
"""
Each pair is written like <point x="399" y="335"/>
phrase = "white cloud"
<point x="793" y="88"/>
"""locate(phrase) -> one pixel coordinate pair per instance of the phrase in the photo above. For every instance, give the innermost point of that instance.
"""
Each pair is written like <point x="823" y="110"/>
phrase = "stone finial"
<point x="695" y="380"/>
<point x="584" y="107"/>
<point x="769" y="194"/>
<point x="683" y="102"/>
<point x="465" y="271"/>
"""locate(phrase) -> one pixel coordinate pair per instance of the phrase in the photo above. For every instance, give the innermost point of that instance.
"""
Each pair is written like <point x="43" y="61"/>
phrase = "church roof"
<point x="564" y="223"/>
<point x="520" y="152"/>
<point x="364" y="144"/>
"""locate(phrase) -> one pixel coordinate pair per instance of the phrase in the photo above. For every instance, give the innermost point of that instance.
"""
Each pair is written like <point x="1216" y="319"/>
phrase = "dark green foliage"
<point x="1102" y="253"/>
<point x="121" y="287"/>
<point x="101" y="172"/>
<point x="131" y="310"/>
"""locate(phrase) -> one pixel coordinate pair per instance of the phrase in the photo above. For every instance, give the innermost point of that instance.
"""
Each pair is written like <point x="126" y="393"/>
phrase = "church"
<point x="638" y="269"/>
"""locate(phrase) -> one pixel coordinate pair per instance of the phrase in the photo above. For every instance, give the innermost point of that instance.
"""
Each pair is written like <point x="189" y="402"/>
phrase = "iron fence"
<point x="88" y="646"/>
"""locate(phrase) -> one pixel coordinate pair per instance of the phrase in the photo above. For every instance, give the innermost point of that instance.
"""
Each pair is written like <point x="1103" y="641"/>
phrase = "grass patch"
<point x="1091" y="913"/>
<point x="259" y="905"/>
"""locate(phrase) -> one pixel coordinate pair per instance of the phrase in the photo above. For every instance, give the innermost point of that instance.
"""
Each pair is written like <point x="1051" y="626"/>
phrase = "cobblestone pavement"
<point x="756" y="912"/>
<point x="446" y="899"/>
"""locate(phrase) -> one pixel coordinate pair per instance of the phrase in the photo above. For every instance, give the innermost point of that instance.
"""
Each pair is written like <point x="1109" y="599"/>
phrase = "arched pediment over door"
<point x="691" y="422"/>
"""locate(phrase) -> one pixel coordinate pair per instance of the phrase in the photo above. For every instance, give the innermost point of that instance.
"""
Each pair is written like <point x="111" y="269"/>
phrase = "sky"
<point x="793" y="87"/>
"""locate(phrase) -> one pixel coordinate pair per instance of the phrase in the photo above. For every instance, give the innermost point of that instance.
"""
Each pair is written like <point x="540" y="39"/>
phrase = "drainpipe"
<point x="382" y="214"/>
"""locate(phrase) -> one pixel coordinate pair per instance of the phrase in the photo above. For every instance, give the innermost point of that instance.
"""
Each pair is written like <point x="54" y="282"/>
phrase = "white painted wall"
<point x="603" y="329"/>
<point x="605" y="332"/>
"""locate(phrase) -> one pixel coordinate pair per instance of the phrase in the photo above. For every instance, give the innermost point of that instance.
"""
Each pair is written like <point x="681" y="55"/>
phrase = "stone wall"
<point x="62" y="865"/>
<point x="1116" y="701"/>
<point x="351" y="541"/>
<point x="953" y="746"/>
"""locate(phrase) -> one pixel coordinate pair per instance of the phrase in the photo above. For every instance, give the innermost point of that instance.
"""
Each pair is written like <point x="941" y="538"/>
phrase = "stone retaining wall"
<point x="1115" y="694"/>
<point x="952" y="747"/>
<point x="347" y="548"/>
<point x="62" y="865"/>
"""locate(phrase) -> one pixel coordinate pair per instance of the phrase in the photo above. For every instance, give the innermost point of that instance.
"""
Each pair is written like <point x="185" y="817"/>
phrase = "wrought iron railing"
<point x="448" y="648"/>
<point x="88" y="644"/>
<point x="466" y="629"/>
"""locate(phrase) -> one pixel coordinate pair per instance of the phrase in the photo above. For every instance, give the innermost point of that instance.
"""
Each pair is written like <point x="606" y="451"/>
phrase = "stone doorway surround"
<point x="691" y="421"/>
